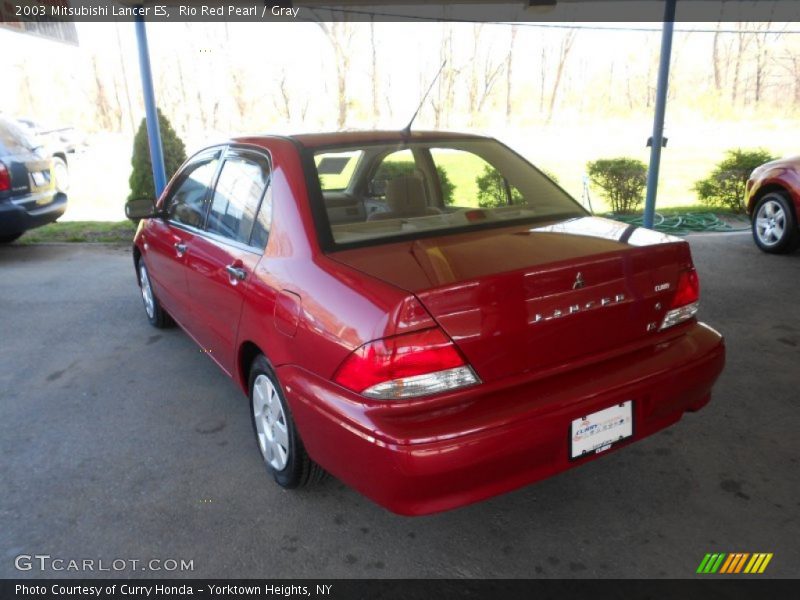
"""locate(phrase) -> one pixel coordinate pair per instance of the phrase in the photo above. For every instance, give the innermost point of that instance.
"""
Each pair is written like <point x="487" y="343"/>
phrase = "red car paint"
<point x="545" y="353"/>
<point x="782" y="175"/>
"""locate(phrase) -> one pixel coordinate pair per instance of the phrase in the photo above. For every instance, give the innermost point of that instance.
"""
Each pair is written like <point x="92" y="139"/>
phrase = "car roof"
<point x="345" y="138"/>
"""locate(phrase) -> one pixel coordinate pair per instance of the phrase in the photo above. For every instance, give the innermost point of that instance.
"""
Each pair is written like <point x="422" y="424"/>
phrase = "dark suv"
<point x="28" y="195"/>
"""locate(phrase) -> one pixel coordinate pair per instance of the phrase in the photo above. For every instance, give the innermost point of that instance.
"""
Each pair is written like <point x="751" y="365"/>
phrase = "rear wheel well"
<point x="768" y="189"/>
<point x="62" y="156"/>
<point x="137" y="254"/>
<point x="247" y="354"/>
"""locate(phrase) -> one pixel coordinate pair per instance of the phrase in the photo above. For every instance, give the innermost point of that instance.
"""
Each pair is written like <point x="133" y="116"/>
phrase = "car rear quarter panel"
<point x="336" y="307"/>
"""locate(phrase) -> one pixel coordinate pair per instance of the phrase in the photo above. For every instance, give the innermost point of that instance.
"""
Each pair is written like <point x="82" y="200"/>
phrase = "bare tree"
<point x="119" y="110"/>
<point x="742" y="43"/>
<point x="340" y="36"/>
<point x="484" y="73"/>
<point x="477" y="28"/>
<point x="30" y="98"/>
<point x="282" y="100"/>
<point x="374" y="75"/>
<point x="765" y="38"/>
<point x="567" y="41"/>
<point x="444" y="99"/>
<point x="790" y="63"/>
<point x="542" y="76"/>
<point x="286" y="101"/>
<point x="101" y="101"/>
<point x="124" y="73"/>
<point x="240" y="99"/>
<point x="715" y="59"/>
<point x="491" y="73"/>
<point x="510" y="70"/>
<point x="715" y="51"/>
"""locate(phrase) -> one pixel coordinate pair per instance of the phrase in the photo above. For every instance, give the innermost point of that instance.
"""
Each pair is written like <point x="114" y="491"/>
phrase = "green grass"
<point x="98" y="232"/>
<point x="697" y="209"/>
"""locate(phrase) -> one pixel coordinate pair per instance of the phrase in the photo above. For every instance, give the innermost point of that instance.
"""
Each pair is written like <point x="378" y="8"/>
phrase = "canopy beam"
<point x="151" y="113"/>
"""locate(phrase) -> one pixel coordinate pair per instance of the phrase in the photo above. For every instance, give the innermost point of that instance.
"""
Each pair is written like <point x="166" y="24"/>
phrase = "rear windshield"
<point x="379" y="193"/>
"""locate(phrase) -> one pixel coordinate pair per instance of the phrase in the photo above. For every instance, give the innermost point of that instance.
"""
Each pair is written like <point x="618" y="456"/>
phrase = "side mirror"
<point x="141" y="208"/>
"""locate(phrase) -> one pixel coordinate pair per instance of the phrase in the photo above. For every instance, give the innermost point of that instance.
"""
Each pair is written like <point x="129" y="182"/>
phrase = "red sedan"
<point x="426" y="316"/>
<point x="773" y="203"/>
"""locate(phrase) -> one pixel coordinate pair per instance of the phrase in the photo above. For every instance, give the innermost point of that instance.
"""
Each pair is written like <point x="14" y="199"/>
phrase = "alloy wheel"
<point x="770" y="223"/>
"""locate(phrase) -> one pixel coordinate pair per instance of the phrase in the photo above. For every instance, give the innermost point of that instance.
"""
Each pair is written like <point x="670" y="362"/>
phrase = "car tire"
<point x="7" y="239"/>
<point x="156" y="315"/>
<point x="775" y="224"/>
<point x="279" y="444"/>
<point x="61" y="174"/>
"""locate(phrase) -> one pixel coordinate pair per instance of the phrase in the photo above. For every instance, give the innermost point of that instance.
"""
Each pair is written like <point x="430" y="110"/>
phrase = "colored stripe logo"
<point x="735" y="562"/>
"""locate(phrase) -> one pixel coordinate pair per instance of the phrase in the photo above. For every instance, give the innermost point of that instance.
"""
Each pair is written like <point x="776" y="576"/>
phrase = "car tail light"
<point x="5" y="178"/>
<point x="686" y="300"/>
<point x="406" y="366"/>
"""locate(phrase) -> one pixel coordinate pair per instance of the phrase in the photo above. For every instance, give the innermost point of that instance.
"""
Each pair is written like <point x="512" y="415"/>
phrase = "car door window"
<point x="186" y="205"/>
<point x="237" y="196"/>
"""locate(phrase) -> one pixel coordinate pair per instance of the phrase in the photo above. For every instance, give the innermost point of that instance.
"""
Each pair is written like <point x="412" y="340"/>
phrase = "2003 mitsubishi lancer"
<point x="426" y="316"/>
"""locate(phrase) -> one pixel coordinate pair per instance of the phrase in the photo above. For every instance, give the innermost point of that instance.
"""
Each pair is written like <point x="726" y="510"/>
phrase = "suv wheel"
<point x="774" y="224"/>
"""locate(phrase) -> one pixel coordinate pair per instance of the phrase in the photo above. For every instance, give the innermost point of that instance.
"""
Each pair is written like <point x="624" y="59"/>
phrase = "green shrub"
<point x="622" y="181"/>
<point x="397" y="168"/>
<point x="725" y="186"/>
<point x="493" y="189"/>
<point x="141" y="179"/>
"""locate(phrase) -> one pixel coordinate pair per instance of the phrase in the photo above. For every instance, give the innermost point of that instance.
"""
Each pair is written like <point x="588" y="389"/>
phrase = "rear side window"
<point x="240" y="188"/>
<point x="186" y="204"/>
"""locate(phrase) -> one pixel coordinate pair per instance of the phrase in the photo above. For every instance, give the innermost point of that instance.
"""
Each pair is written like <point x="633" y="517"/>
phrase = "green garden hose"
<point x="682" y="223"/>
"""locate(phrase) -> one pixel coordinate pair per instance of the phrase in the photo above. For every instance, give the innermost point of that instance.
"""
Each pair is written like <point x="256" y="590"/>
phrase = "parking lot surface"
<point x="120" y="441"/>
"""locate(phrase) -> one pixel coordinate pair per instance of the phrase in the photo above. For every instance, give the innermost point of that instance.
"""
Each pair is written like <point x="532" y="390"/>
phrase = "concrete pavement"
<point x="120" y="441"/>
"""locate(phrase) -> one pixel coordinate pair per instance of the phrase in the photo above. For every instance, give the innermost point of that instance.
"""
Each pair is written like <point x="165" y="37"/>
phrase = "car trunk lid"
<point x="523" y="299"/>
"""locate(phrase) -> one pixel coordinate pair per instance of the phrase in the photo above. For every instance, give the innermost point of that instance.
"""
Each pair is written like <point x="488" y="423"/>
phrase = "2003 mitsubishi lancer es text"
<point x="426" y="316"/>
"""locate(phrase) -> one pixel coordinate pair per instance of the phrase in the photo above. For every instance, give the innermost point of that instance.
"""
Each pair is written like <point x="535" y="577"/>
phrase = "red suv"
<point x="426" y="316"/>
<point x="773" y="204"/>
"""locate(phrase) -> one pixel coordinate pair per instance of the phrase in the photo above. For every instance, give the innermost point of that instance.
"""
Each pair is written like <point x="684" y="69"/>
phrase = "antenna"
<point x="407" y="129"/>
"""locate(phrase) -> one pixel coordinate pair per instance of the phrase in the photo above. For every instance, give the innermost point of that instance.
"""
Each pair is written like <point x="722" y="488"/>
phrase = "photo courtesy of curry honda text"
<point x="427" y="341"/>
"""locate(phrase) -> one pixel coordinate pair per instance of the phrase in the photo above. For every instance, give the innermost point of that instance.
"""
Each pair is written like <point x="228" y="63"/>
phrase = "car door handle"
<point x="180" y="248"/>
<point x="236" y="272"/>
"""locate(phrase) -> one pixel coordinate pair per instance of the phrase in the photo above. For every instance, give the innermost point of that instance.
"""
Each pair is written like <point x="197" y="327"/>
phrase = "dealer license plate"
<point x="597" y="431"/>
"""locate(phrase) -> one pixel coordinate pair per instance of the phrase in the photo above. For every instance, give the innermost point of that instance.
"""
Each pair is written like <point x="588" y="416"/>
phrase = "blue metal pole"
<point x="658" y="120"/>
<point x="151" y="114"/>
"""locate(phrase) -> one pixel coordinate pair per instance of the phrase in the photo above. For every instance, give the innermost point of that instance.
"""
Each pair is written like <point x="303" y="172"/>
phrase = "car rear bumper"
<point x="15" y="218"/>
<point x="426" y="457"/>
